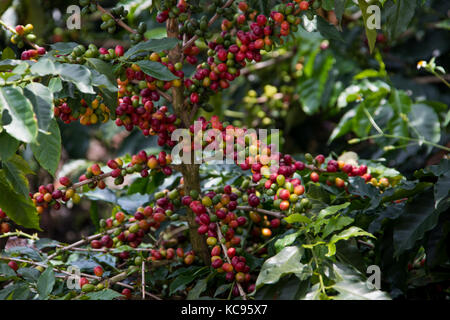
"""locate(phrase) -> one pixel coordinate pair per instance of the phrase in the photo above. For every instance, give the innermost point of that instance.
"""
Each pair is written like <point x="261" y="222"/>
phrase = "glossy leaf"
<point x="352" y="286"/>
<point x="23" y="125"/>
<point x="45" y="283"/>
<point x="47" y="149"/>
<point x="42" y="99"/>
<point x="285" y="262"/>
<point x="156" y="70"/>
<point x="20" y="208"/>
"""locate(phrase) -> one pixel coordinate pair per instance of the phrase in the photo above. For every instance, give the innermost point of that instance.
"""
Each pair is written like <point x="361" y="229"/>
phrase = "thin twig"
<point x="270" y="213"/>
<point x="143" y="279"/>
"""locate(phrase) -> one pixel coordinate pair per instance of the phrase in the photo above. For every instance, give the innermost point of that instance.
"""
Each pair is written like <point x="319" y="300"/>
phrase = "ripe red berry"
<point x="83" y="281"/>
<point x="261" y="20"/>
<point x="314" y="177"/>
<point x="13" y="265"/>
<point x="96" y="244"/>
<point x="231" y="252"/>
<point x="65" y="181"/>
<point x="98" y="271"/>
<point x="119" y="51"/>
<point x="41" y="51"/>
<point x="243" y="6"/>
<point x="304" y="5"/>
<point x="127" y="293"/>
<point x="320" y="159"/>
<point x="194" y="97"/>
<point x="275" y="223"/>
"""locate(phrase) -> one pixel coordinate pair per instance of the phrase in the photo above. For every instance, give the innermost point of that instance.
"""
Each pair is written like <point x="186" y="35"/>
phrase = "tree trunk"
<point x="190" y="172"/>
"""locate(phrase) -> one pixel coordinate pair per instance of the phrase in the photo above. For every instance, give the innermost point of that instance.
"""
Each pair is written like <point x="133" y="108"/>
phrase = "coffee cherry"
<point x="98" y="271"/>
<point x="65" y="181"/>
<point x="83" y="281"/>
<point x="304" y="5"/>
<point x="126" y="293"/>
<point x="314" y="177"/>
<point x="13" y="265"/>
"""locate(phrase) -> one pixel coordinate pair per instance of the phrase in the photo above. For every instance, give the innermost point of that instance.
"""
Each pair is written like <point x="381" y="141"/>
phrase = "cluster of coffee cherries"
<point x="109" y="23"/>
<point x="137" y="94"/>
<point x="231" y="51"/>
<point x="218" y="210"/>
<point x="87" y="114"/>
<point x="5" y="227"/>
<point x="23" y="33"/>
<point x="80" y="53"/>
<point x="32" y="53"/>
<point x="49" y="196"/>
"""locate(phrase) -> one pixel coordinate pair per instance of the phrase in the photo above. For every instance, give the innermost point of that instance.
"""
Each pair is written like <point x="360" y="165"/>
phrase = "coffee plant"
<point x="268" y="223"/>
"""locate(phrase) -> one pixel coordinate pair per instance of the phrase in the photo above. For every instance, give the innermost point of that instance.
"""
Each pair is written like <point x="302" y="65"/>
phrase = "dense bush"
<point x="87" y="124"/>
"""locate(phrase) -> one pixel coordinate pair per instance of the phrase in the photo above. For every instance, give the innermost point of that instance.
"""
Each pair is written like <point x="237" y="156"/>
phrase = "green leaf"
<point x="22" y="292"/>
<point x="102" y="67"/>
<point x="5" y="271"/>
<point x="8" y="145"/>
<point x="29" y="252"/>
<point x="352" y="286"/>
<point x="370" y="33"/>
<point x="47" y="149"/>
<point x="335" y="224"/>
<point x="29" y="274"/>
<point x="19" y="208"/>
<point x="286" y="241"/>
<point x="43" y="67"/>
<point x="93" y="211"/>
<point x="287" y="288"/>
<point x="223" y="288"/>
<point x="62" y="48"/>
<point x="181" y="282"/>
<point x="45" y="283"/>
<point x="328" y="30"/>
<point x="339" y="8"/>
<point x="155" y="45"/>
<point x="332" y="210"/>
<point x="398" y="16"/>
<point x="418" y="217"/>
<point x="42" y="100"/>
<point x="101" y="81"/>
<point x="287" y="261"/>
<point x="106" y="294"/>
<point x="16" y="169"/>
<point x="8" y="53"/>
<point x="366" y="191"/>
<point x="345" y="235"/>
<point x="23" y="125"/>
<point x="199" y="287"/>
<point x="345" y="125"/>
<point x="156" y="70"/>
<point x="79" y="75"/>
<point x="297" y="217"/>
<point x="55" y="85"/>
<point x="425" y="121"/>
